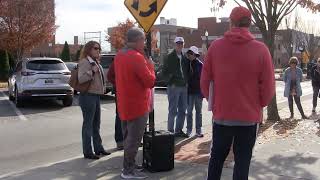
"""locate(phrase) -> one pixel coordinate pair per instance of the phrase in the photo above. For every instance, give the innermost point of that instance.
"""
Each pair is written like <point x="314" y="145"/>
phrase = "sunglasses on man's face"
<point x="191" y="53"/>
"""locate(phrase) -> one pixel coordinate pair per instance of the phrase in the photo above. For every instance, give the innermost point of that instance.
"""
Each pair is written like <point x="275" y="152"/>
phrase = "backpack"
<point x="74" y="82"/>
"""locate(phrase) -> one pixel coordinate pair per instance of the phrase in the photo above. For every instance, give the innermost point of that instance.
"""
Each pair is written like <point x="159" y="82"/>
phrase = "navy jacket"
<point x="195" y="68"/>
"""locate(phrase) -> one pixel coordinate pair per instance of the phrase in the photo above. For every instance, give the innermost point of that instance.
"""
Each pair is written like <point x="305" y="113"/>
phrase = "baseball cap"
<point x="179" y="39"/>
<point x="194" y="49"/>
<point x="238" y="13"/>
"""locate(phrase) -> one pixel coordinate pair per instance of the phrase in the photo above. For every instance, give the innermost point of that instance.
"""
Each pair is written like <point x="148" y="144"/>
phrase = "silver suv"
<point x="40" y="77"/>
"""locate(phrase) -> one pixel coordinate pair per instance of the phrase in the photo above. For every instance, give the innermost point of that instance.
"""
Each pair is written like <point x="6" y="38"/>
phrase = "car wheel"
<point x="17" y="99"/>
<point x="67" y="101"/>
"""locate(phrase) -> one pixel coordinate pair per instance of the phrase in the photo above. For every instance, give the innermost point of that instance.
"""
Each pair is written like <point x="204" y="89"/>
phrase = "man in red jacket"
<point x="134" y="79"/>
<point x="242" y="73"/>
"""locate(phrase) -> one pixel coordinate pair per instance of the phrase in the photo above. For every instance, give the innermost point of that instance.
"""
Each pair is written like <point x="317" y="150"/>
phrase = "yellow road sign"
<point x="145" y="12"/>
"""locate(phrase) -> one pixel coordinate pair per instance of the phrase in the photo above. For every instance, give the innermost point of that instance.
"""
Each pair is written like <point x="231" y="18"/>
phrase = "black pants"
<point x="243" y="139"/>
<point x="315" y="95"/>
<point x="118" y="136"/>
<point x="298" y="103"/>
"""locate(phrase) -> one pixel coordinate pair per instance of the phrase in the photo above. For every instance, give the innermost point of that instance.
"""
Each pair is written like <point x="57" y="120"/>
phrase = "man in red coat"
<point x="134" y="79"/>
<point x="242" y="73"/>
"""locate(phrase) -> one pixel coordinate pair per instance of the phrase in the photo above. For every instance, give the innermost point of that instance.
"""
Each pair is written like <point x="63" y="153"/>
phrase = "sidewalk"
<point x="286" y="150"/>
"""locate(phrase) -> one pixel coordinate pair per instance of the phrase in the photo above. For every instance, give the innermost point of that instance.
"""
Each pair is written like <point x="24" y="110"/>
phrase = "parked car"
<point x="40" y="77"/>
<point x="71" y="65"/>
<point x="105" y="61"/>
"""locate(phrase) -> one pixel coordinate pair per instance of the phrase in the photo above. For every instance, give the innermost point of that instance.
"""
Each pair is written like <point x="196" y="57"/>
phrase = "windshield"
<point x="106" y="61"/>
<point x="45" y="65"/>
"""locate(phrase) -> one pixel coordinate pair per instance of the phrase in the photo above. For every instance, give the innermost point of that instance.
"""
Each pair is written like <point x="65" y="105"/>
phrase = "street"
<point x="45" y="132"/>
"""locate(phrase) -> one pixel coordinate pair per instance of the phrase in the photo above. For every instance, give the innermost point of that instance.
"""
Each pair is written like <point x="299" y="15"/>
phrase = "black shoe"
<point x="291" y="116"/>
<point x="181" y="134"/>
<point x="103" y="153"/>
<point x="91" y="156"/>
<point x="304" y="117"/>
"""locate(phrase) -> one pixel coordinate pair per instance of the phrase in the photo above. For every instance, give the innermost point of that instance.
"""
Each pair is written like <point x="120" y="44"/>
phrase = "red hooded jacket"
<point x="134" y="78"/>
<point x="243" y="76"/>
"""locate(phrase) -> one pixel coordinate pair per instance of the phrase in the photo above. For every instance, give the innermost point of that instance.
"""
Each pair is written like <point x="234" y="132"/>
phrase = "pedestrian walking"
<point x="134" y="79"/>
<point x="242" y="74"/>
<point x="315" y="79"/>
<point x="194" y="92"/>
<point x="292" y="90"/>
<point x="175" y="72"/>
<point x="91" y="70"/>
<point x="118" y="137"/>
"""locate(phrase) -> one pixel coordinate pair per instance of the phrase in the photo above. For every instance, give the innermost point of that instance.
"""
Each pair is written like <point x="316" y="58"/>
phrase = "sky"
<point x="74" y="17"/>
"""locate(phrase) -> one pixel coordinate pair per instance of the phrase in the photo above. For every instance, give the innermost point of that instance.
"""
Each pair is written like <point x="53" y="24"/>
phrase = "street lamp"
<point x="207" y="40"/>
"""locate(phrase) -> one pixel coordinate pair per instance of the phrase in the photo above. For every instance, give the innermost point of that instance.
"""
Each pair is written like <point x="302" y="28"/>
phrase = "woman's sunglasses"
<point x="97" y="48"/>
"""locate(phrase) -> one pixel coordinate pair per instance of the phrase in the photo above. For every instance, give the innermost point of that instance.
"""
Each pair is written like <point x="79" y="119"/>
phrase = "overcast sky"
<point x="74" y="17"/>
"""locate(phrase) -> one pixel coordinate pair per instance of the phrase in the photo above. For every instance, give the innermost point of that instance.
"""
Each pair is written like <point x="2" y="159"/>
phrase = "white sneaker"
<point x="134" y="175"/>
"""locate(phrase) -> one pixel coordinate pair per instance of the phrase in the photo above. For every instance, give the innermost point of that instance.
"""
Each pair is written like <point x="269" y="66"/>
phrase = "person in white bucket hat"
<point x="194" y="92"/>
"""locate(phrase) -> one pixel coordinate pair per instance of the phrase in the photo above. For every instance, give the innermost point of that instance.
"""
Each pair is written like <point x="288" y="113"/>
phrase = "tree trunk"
<point x="272" y="109"/>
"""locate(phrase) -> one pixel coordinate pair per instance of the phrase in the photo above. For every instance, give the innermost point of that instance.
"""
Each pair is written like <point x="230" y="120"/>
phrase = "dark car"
<point x="106" y="60"/>
<point x="71" y="65"/>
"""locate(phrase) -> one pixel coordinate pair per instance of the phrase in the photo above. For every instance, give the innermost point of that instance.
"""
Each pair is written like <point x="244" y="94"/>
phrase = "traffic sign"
<point x="145" y="12"/>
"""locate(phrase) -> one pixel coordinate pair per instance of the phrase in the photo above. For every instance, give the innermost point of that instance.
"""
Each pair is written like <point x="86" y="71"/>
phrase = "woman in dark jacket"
<point x="315" y="76"/>
<point x="292" y="78"/>
<point x="194" y="92"/>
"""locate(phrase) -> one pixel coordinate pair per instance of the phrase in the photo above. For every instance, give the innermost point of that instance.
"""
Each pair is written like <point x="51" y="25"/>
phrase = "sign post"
<point x="146" y="13"/>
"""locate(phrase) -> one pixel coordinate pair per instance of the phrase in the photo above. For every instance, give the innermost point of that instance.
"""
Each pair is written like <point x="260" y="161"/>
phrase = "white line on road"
<point x="18" y="112"/>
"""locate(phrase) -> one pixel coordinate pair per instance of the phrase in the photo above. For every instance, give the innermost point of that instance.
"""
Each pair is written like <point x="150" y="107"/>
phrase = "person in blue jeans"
<point x="175" y="72"/>
<point x="89" y="70"/>
<point x="194" y="92"/>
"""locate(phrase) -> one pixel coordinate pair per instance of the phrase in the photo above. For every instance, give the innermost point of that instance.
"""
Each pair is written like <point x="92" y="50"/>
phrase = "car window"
<point x="106" y="61"/>
<point x="71" y="66"/>
<point x="45" y="65"/>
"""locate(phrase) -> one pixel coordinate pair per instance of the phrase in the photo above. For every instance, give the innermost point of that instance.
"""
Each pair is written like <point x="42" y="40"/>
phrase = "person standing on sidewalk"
<point x="242" y="73"/>
<point x="315" y="78"/>
<point x="292" y="90"/>
<point x="175" y="71"/>
<point x="91" y="70"/>
<point x="118" y="137"/>
<point x="194" y="92"/>
<point x="134" y="79"/>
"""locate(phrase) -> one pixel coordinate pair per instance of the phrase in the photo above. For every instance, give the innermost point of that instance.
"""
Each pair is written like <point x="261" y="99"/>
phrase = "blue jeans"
<point x="194" y="100"/>
<point x="243" y="139"/>
<point x="177" y="97"/>
<point x="91" y="112"/>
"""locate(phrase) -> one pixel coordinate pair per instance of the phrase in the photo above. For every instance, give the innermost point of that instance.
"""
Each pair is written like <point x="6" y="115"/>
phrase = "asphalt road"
<point x="45" y="132"/>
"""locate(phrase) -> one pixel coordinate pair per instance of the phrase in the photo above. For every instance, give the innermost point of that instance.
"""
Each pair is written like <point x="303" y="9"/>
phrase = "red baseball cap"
<point x="239" y="12"/>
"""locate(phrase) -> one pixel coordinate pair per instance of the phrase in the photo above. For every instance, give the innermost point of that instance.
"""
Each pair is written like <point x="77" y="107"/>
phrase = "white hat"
<point x="179" y="39"/>
<point x="194" y="49"/>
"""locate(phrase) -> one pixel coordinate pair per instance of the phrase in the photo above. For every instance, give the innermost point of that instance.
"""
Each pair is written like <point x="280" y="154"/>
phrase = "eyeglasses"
<point x="97" y="48"/>
<point x="191" y="53"/>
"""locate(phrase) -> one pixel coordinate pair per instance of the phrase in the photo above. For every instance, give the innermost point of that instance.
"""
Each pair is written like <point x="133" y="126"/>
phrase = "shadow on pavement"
<point x="287" y="166"/>
<point x="82" y="169"/>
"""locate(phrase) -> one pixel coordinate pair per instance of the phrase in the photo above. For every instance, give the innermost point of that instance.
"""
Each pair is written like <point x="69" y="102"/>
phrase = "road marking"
<point x="18" y="112"/>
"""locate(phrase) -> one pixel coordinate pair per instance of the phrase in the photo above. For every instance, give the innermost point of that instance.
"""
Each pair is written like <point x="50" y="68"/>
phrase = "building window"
<point x="278" y="60"/>
<point x="279" y="46"/>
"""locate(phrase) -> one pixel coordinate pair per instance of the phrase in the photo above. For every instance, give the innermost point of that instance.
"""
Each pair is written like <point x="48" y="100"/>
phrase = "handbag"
<point x="74" y="82"/>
